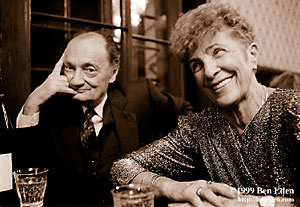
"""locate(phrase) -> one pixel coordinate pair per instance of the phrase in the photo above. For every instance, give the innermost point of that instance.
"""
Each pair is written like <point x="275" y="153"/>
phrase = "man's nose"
<point x="77" y="80"/>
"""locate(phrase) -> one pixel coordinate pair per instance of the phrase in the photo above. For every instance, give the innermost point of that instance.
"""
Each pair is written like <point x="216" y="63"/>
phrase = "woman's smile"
<point x="221" y="84"/>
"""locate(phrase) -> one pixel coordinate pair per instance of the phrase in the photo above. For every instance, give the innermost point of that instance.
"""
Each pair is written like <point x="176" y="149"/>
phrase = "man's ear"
<point x="253" y="54"/>
<point x="114" y="74"/>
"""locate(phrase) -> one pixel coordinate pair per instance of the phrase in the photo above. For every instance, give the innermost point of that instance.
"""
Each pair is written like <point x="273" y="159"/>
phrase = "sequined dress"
<point x="263" y="155"/>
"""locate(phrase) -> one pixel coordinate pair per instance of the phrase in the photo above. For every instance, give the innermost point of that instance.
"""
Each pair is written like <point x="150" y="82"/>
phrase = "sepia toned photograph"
<point x="150" y="103"/>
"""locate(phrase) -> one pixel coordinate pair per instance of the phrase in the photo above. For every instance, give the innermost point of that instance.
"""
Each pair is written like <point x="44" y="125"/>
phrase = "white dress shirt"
<point x="29" y="121"/>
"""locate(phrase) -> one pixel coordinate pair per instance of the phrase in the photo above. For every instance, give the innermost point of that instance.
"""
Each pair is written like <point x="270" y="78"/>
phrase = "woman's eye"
<point x="218" y="52"/>
<point x="196" y="66"/>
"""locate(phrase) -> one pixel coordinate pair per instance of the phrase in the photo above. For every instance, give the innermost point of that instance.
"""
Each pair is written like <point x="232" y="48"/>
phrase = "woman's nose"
<point x="77" y="80"/>
<point x="210" y="69"/>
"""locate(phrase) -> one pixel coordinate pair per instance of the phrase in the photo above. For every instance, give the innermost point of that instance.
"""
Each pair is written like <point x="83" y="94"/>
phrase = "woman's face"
<point x="223" y="67"/>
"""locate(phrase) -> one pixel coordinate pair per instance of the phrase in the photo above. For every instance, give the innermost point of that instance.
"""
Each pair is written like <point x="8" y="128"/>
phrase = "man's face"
<point x="87" y="68"/>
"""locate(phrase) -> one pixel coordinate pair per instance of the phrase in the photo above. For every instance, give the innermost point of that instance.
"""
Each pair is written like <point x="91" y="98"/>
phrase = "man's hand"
<point x="55" y="83"/>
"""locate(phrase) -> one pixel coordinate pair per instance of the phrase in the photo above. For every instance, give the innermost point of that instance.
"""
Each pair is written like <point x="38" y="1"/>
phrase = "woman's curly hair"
<point x="192" y="27"/>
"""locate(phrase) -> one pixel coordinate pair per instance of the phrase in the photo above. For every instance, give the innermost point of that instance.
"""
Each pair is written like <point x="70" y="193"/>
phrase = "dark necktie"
<point x="87" y="133"/>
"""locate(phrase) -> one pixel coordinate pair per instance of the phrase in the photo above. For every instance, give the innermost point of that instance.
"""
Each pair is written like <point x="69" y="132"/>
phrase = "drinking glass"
<point x="31" y="185"/>
<point x="133" y="195"/>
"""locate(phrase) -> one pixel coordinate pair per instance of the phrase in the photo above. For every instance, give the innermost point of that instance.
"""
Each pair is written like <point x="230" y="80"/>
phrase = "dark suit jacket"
<point x="135" y="114"/>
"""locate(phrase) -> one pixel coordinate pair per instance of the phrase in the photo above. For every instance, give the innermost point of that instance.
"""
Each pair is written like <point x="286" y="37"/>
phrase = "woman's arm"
<point x="197" y="192"/>
<point x="160" y="163"/>
<point x="174" y="156"/>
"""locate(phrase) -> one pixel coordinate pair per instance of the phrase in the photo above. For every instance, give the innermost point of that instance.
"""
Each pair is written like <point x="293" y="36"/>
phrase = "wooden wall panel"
<point x="175" y="69"/>
<point x="15" y="53"/>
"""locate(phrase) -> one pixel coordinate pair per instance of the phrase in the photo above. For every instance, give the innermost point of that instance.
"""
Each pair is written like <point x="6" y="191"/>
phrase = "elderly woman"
<point x="247" y="141"/>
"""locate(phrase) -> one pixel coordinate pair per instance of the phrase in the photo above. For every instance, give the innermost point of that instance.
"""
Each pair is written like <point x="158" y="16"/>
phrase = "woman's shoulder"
<point x="285" y="97"/>
<point x="280" y="92"/>
<point x="285" y="104"/>
<point x="203" y="117"/>
<point x="199" y="115"/>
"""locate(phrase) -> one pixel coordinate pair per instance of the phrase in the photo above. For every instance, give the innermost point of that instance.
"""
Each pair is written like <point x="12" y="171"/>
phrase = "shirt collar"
<point x="99" y="108"/>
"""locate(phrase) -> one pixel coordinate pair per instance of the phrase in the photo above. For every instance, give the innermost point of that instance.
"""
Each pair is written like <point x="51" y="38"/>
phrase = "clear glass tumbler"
<point x="133" y="195"/>
<point x="31" y="185"/>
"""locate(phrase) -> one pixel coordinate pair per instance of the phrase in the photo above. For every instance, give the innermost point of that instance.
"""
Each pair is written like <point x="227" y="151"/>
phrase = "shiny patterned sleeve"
<point x="294" y="112"/>
<point x="170" y="156"/>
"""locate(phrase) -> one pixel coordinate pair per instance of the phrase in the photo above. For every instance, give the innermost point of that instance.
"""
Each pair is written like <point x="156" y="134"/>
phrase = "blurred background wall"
<point x="277" y="27"/>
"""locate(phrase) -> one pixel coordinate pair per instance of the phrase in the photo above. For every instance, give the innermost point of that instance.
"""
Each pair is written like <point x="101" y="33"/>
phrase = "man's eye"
<point x="196" y="66"/>
<point x="218" y="52"/>
<point x="90" y="70"/>
<point x="68" y="68"/>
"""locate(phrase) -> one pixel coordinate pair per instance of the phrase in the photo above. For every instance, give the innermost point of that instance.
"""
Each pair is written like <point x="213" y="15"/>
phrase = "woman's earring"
<point x="255" y="69"/>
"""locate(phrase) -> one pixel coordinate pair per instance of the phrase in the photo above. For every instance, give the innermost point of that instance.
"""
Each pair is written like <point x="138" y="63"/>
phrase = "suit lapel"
<point x="67" y="140"/>
<point x="126" y="123"/>
<point x="71" y="147"/>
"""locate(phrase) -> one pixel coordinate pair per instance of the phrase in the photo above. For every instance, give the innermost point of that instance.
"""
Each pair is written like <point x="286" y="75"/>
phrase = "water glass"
<point x="31" y="185"/>
<point x="133" y="195"/>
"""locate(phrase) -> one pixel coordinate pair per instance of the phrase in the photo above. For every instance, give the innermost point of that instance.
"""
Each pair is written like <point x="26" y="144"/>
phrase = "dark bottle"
<point x="7" y="195"/>
<point x="5" y="128"/>
<point x="5" y="124"/>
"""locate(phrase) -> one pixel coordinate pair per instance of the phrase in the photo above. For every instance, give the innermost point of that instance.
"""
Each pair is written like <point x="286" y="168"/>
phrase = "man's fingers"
<point x="223" y="189"/>
<point x="56" y="84"/>
<point x="67" y="90"/>
<point x="58" y="66"/>
<point x="179" y="205"/>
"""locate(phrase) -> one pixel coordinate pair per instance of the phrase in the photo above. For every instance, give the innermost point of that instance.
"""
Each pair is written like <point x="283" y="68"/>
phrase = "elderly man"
<point x="81" y="119"/>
